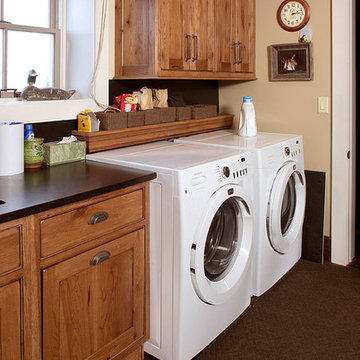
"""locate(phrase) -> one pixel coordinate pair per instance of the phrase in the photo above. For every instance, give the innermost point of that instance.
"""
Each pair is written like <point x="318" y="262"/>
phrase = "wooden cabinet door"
<point x="94" y="311"/>
<point x="225" y="35"/>
<point x="245" y="34"/>
<point x="134" y="34"/>
<point x="201" y="16"/>
<point x="10" y="322"/>
<point x="234" y="35"/>
<point x="174" y="35"/>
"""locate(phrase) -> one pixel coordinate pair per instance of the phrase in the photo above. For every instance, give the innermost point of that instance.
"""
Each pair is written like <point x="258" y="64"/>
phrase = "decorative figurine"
<point x="32" y="92"/>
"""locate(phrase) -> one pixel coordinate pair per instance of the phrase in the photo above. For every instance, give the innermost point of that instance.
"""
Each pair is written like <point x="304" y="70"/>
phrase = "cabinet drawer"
<point x="69" y="229"/>
<point x="10" y="243"/>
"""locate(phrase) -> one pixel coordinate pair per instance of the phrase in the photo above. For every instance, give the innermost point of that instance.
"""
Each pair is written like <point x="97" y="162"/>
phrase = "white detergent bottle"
<point x="247" y="124"/>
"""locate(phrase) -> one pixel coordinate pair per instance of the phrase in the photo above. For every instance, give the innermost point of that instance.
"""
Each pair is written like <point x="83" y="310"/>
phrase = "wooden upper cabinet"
<point x="10" y="322"/>
<point x="94" y="303"/>
<point x="134" y="34"/>
<point x="186" y="35"/>
<point x="245" y="30"/>
<point x="174" y="35"/>
<point x="184" y="39"/>
<point x="201" y="16"/>
<point x="235" y="36"/>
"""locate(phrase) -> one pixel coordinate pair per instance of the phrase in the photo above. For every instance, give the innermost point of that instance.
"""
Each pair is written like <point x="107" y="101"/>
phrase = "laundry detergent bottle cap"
<point x="247" y="124"/>
<point x="247" y="99"/>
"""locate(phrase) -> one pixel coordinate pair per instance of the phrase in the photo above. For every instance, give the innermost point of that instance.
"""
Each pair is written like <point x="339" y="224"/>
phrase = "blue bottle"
<point x="29" y="134"/>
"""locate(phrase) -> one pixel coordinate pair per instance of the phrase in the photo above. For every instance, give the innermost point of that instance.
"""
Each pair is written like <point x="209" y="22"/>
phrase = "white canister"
<point x="247" y="124"/>
<point x="11" y="148"/>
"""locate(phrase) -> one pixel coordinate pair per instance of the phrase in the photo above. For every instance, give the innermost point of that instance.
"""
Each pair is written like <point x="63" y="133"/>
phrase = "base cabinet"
<point x="93" y="303"/>
<point x="10" y="322"/>
<point x="74" y="280"/>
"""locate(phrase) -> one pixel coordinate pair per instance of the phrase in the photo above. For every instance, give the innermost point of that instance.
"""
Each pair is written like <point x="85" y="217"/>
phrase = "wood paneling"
<point x="105" y="140"/>
<point x="64" y="231"/>
<point x="88" y="310"/>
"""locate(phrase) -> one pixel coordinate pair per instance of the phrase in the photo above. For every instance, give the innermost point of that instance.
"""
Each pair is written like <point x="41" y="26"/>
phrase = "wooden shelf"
<point x="112" y="139"/>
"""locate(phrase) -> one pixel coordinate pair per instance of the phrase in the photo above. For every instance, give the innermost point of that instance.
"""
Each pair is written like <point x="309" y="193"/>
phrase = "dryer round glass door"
<point x="286" y="207"/>
<point x="220" y="254"/>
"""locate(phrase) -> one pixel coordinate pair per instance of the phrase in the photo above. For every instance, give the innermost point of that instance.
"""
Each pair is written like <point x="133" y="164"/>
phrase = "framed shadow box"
<point x="291" y="62"/>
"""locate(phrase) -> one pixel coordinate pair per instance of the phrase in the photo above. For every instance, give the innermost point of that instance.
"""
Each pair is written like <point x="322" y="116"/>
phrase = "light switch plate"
<point x="323" y="105"/>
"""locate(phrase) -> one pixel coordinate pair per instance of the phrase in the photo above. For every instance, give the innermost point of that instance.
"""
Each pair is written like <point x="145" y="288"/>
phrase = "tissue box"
<point x="63" y="153"/>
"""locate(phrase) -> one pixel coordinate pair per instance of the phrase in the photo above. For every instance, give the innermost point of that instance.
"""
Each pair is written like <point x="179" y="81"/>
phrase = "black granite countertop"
<point x="42" y="189"/>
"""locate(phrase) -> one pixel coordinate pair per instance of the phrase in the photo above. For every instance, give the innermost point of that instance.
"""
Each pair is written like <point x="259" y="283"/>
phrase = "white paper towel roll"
<point x="11" y="148"/>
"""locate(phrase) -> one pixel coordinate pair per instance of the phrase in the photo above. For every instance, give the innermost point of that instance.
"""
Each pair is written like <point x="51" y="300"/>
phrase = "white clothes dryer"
<point x="279" y="199"/>
<point x="201" y="241"/>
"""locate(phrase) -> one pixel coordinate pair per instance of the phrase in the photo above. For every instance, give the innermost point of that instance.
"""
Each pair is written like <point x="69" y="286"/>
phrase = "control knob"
<point x="225" y="172"/>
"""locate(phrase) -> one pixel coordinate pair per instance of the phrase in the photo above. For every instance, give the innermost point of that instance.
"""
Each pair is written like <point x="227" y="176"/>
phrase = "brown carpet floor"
<point x="313" y="312"/>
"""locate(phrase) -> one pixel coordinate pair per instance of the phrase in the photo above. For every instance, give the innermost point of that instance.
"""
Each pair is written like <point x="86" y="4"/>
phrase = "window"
<point x="29" y="39"/>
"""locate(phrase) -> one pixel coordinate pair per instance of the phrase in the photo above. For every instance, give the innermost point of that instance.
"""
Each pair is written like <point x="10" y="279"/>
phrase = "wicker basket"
<point x="183" y="113"/>
<point x="201" y="111"/>
<point x="112" y="120"/>
<point x="167" y="114"/>
<point x="135" y="118"/>
<point x="152" y="116"/>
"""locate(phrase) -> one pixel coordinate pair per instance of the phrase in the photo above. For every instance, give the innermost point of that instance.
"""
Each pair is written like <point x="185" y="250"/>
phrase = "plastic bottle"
<point x="29" y="134"/>
<point x="247" y="124"/>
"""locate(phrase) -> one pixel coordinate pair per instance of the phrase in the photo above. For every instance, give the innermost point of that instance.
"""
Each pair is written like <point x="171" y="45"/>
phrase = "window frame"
<point x="16" y="109"/>
<point x="53" y="29"/>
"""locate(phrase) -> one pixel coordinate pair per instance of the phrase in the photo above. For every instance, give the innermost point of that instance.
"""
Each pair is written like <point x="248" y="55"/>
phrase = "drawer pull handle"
<point x="100" y="257"/>
<point x="98" y="217"/>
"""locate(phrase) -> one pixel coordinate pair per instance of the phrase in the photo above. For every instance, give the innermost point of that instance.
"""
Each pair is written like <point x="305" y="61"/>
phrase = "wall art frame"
<point x="291" y="62"/>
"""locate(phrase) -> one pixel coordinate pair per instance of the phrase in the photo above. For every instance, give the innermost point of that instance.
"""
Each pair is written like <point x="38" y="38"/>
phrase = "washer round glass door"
<point x="221" y="251"/>
<point x="286" y="207"/>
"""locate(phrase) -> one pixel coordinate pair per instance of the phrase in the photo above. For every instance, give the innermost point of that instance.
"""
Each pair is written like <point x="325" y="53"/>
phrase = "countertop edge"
<point x="75" y="197"/>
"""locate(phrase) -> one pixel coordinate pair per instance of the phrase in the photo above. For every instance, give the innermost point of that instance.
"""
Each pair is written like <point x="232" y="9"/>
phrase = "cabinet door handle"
<point x="241" y="52"/>
<point x="236" y="61"/>
<point x="100" y="257"/>
<point x="98" y="217"/>
<point x="188" y="47"/>
<point x="195" y="37"/>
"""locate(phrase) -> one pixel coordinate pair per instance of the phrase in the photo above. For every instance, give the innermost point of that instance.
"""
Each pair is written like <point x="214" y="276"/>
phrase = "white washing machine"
<point x="201" y="240"/>
<point x="279" y="199"/>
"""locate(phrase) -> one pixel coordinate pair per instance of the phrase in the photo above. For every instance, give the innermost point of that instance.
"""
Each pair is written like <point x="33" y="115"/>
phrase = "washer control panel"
<point x="234" y="170"/>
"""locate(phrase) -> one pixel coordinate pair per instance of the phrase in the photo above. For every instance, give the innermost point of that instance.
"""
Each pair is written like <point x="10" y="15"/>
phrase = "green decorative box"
<point x="63" y="153"/>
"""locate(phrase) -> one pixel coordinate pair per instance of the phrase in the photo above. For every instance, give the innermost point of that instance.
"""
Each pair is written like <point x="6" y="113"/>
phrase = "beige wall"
<point x="290" y="107"/>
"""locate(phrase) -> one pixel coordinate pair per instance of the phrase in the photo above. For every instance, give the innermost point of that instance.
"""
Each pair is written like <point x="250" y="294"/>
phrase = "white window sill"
<point x="43" y="111"/>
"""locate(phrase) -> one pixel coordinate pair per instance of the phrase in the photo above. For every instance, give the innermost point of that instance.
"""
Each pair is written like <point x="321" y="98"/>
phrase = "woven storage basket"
<point x="152" y="116"/>
<point x="135" y="118"/>
<point x="112" y="120"/>
<point x="183" y="113"/>
<point x="167" y="114"/>
<point x="201" y="111"/>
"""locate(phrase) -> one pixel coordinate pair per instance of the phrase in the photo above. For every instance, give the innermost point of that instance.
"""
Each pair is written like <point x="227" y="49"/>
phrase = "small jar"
<point x="33" y="153"/>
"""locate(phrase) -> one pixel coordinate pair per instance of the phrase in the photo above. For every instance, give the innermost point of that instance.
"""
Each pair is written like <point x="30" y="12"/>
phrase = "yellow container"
<point x="87" y="121"/>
